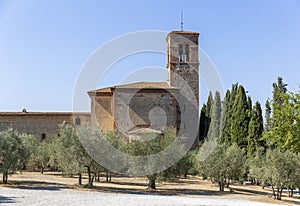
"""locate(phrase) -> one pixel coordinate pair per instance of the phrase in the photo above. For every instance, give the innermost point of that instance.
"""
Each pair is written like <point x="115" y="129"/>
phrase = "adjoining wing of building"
<point x="41" y="124"/>
<point x="142" y="107"/>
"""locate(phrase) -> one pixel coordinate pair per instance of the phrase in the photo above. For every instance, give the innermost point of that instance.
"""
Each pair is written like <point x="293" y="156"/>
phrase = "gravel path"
<point x="60" y="196"/>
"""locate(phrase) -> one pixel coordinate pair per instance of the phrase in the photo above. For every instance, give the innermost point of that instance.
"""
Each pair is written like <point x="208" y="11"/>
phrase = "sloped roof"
<point x="43" y="113"/>
<point x="138" y="85"/>
<point x="184" y="32"/>
<point x="143" y="133"/>
<point x="144" y="130"/>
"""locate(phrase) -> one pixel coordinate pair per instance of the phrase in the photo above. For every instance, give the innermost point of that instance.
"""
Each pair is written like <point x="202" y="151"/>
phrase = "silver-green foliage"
<point x="15" y="151"/>
<point x="277" y="168"/>
<point x="224" y="163"/>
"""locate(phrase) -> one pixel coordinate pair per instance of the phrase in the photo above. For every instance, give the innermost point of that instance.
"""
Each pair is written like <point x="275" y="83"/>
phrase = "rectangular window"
<point x="77" y="121"/>
<point x="187" y="52"/>
<point x="180" y="53"/>
<point x="43" y="136"/>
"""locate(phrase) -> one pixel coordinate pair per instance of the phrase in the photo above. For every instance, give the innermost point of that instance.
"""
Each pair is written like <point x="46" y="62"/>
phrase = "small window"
<point x="77" y="121"/>
<point x="187" y="53"/>
<point x="43" y="136"/>
<point x="180" y="53"/>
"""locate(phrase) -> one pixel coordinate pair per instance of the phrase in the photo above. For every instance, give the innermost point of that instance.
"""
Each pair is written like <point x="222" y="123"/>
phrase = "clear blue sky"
<point x="43" y="44"/>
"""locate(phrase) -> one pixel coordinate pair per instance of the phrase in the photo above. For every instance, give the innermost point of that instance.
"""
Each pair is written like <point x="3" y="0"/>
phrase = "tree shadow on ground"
<point x="129" y="183"/>
<point x="37" y="185"/>
<point x="249" y="192"/>
<point x="4" y="199"/>
<point x="159" y="191"/>
<point x="186" y="181"/>
<point x="264" y="193"/>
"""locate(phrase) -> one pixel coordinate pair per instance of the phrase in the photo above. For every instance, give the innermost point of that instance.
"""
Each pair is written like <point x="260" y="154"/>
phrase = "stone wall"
<point x="183" y="73"/>
<point x="102" y="112"/>
<point x="187" y="69"/>
<point x="42" y="125"/>
<point x="153" y="109"/>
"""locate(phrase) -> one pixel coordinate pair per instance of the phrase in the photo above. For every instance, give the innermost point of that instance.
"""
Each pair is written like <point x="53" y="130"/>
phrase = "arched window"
<point x="180" y="53"/>
<point x="187" y="52"/>
<point x="183" y="53"/>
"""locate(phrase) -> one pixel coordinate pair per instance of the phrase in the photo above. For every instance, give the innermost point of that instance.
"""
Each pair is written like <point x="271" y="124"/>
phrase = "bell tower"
<point x="183" y="61"/>
<point x="183" y="73"/>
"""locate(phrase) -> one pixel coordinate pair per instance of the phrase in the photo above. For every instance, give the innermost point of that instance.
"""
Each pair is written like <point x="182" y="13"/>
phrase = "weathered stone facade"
<point x="40" y="124"/>
<point x="183" y="60"/>
<point x="132" y="106"/>
<point x="102" y="111"/>
<point x="183" y="73"/>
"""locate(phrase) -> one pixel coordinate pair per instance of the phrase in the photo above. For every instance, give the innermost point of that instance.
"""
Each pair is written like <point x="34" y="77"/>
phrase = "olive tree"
<point x="30" y="147"/>
<point x="42" y="155"/>
<point x="153" y="145"/>
<point x="224" y="163"/>
<point x="68" y="153"/>
<point x="277" y="168"/>
<point x="12" y="152"/>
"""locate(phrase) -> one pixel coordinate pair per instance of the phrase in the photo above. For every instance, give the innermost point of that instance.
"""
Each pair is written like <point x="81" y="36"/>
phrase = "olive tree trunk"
<point x="5" y="176"/>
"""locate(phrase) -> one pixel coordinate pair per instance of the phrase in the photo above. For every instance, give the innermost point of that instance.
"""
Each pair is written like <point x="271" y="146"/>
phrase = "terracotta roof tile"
<point x="138" y="85"/>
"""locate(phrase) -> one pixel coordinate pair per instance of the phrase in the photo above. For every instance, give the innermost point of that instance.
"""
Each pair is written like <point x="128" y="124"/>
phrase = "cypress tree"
<point x="226" y="134"/>
<point x="209" y="104"/>
<point x="267" y="116"/>
<point x="240" y="121"/>
<point x="249" y="101"/>
<point x="255" y="130"/>
<point x="273" y="134"/>
<point x="279" y="89"/>
<point x="202" y="123"/>
<point x="214" y="128"/>
<point x="208" y="114"/>
<point x="223" y="117"/>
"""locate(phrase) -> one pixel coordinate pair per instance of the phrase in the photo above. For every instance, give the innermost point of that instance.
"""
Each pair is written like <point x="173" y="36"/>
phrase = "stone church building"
<point x="142" y="107"/>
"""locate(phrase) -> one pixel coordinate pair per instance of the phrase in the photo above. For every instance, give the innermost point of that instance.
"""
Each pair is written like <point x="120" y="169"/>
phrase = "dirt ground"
<point x="191" y="186"/>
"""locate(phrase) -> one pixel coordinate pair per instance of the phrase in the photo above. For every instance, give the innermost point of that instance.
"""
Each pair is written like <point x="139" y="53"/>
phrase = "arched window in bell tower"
<point x="183" y="53"/>
<point x="180" y="53"/>
<point x="187" y="52"/>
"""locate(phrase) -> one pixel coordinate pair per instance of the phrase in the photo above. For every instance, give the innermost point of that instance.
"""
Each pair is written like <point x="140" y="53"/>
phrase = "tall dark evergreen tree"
<point x="214" y="128"/>
<point x="276" y="117"/>
<point x="249" y="101"/>
<point x="240" y="121"/>
<point x="268" y="110"/>
<point x="202" y="123"/>
<point x="205" y="118"/>
<point x="209" y="104"/>
<point x="224" y="112"/>
<point x="255" y="130"/>
<point x="208" y="109"/>
<point x="226" y="134"/>
<point x="279" y="89"/>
